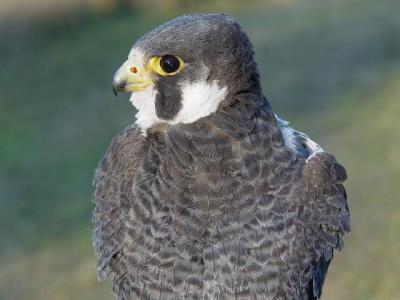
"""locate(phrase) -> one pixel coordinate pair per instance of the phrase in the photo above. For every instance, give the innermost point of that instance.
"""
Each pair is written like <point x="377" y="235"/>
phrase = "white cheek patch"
<point x="144" y="101"/>
<point x="199" y="99"/>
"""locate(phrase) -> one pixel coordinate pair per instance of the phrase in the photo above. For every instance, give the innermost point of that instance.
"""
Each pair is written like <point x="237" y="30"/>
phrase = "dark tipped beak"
<point x="118" y="86"/>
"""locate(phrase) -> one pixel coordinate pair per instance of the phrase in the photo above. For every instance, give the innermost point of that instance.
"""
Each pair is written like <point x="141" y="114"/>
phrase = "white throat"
<point x="199" y="99"/>
<point x="144" y="101"/>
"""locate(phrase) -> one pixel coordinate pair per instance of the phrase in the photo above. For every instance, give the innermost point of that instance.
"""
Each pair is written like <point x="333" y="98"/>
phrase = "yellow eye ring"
<point x="166" y="65"/>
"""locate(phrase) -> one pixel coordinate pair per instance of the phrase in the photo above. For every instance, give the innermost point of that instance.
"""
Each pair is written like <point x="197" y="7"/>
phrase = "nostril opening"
<point x="134" y="70"/>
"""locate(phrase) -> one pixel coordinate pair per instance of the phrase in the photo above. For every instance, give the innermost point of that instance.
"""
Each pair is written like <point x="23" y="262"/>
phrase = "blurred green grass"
<point x="331" y="67"/>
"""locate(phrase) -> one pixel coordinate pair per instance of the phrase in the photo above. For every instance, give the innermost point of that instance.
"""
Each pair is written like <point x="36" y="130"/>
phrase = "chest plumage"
<point x="217" y="209"/>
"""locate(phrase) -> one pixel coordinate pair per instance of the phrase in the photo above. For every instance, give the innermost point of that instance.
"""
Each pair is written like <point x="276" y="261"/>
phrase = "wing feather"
<point x="329" y="216"/>
<point x="326" y="208"/>
<point x="112" y="199"/>
<point x="298" y="141"/>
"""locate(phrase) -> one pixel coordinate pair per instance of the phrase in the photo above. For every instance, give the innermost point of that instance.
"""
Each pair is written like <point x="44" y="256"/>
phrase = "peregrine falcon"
<point x="209" y="195"/>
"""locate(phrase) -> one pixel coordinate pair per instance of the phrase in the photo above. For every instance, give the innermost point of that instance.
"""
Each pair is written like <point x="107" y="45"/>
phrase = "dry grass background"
<point x="331" y="67"/>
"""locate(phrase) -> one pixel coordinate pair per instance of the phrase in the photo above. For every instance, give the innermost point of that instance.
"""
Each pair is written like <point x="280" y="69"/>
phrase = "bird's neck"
<point x="245" y="114"/>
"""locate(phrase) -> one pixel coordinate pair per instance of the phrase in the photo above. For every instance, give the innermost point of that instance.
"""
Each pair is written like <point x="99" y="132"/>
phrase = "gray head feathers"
<point x="215" y="40"/>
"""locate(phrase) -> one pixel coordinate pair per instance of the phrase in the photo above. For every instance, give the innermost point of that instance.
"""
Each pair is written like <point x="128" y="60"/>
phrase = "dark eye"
<point x="169" y="63"/>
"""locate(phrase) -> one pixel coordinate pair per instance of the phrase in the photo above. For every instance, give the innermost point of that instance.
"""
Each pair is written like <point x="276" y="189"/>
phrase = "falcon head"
<point x="186" y="68"/>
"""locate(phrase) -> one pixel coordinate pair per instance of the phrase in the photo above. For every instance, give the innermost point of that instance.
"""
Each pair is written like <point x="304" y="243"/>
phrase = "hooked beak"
<point x="131" y="76"/>
<point x="118" y="87"/>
